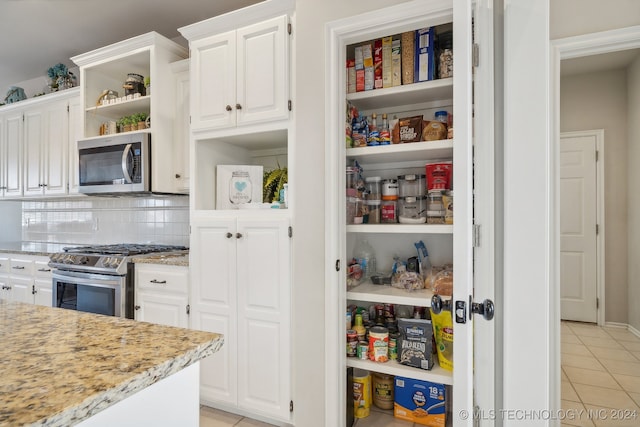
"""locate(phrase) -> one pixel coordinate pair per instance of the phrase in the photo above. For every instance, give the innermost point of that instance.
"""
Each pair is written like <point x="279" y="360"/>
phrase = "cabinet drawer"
<point x="4" y="265"/>
<point x="42" y="270"/>
<point x="22" y="267"/>
<point x="162" y="277"/>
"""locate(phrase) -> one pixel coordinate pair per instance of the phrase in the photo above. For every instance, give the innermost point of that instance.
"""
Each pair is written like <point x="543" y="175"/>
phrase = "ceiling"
<point x="41" y="33"/>
<point x="38" y="34"/>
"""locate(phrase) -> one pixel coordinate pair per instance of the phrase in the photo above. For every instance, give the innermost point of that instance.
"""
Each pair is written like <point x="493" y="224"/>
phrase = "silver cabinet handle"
<point x="158" y="281"/>
<point x="18" y="267"/>
<point x="46" y="270"/>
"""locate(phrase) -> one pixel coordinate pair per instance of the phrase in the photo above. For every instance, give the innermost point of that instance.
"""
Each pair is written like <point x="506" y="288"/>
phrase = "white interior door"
<point x="578" y="215"/>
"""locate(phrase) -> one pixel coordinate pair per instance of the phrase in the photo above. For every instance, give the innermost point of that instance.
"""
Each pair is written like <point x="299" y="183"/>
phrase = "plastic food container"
<point x="354" y="210"/>
<point x="389" y="189"/>
<point x="411" y="185"/>
<point x="372" y="185"/>
<point x="373" y="207"/>
<point x="412" y="210"/>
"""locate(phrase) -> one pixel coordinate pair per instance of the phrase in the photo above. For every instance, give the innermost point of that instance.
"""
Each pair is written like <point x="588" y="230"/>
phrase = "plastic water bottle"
<point x="366" y="258"/>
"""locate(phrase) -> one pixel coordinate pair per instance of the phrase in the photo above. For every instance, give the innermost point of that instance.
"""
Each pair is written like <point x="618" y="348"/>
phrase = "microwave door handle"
<point x="125" y="164"/>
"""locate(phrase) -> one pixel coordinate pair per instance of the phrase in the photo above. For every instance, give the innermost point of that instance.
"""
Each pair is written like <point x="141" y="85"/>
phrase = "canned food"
<point x="393" y="346"/>
<point x="363" y="350"/>
<point x="379" y="344"/>
<point x="352" y="343"/>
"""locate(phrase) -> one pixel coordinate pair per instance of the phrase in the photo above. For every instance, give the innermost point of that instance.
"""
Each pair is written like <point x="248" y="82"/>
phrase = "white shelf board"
<point x="436" y="374"/>
<point x="367" y="291"/>
<point x="416" y="93"/>
<point x="401" y="228"/>
<point x="424" y="150"/>
<point x="123" y="108"/>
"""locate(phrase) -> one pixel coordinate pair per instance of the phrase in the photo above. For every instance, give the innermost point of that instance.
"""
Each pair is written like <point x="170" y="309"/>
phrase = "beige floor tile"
<point x="606" y="342"/>
<point x="210" y="417"/>
<point x="248" y="422"/>
<point x="563" y="376"/>
<point x="594" y="395"/>
<point x="621" y="367"/>
<point x="589" y="331"/>
<point x="613" y="354"/>
<point x="622" y="335"/>
<point x="636" y="354"/>
<point x="569" y="338"/>
<point x="574" y="414"/>
<point x="568" y="393"/>
<point x="628" y="383"/>
<point x="631" y="345"/>
<point x="591" y="377"/>
<point x="577" y="349"/>
<point x="613" y="417"/>
<point x="635" y="397"/>
<point x="565" y="329"/>
<point x="586" y="362"/>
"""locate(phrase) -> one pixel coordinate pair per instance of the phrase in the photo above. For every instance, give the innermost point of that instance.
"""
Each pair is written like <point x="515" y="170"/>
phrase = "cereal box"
<point x="421" y="402"/>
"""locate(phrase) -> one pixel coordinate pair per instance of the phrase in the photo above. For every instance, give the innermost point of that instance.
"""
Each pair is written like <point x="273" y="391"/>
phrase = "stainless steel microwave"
<point x="117" y="163"/>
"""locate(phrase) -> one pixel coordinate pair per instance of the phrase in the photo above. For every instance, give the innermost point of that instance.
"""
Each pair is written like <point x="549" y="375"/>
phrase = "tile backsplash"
<point x="105" y="220"/>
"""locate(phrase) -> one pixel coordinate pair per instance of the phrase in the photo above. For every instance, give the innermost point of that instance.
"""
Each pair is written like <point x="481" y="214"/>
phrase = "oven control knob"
<point x="68" y="259"/>
<point x="81" y="260"/>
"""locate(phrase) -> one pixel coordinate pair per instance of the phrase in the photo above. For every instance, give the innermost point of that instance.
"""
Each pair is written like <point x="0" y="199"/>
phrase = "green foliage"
<point x="273" y="181"/>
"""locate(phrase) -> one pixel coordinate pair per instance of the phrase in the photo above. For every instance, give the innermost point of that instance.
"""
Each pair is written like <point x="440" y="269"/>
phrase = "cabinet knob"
<point x="137" y="307"/>
<point x="229" y="235"/>
<point x="228" y="108"/>
<point x="238" y="107"/>
<point x="178" y="175"/>
<point x="238" y="235"/>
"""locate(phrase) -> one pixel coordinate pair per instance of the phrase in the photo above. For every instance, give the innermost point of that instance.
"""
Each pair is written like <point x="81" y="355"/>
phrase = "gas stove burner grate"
<point x="123" y="249"/>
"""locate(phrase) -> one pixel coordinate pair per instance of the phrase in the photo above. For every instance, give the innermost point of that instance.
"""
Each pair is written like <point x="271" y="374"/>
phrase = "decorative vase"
<point x="53" y="85"/>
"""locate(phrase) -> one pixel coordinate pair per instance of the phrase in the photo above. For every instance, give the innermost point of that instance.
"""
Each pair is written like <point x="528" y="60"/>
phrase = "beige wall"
<point x="599" y="101"/>
<point x="633" y="160"/>
<point x="308" y="250"/>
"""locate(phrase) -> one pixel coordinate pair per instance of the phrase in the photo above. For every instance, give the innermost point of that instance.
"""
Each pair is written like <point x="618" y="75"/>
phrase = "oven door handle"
<point x="87" y="279"/>
<point x="125" y="164"/>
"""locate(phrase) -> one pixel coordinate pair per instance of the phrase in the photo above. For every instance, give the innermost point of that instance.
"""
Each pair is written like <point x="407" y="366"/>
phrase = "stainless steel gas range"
<point x="99" y="279"/>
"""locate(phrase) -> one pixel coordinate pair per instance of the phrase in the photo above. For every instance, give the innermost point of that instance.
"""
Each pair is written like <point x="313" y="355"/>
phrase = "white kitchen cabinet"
<point x="445" y="243"/>
<point x="148" y="55"/>
<point x="26" y="278"/>
<point x="181" y="129"/>
<point x="241" y="77"/>
<point x="46" y="139"/>
<point x="75" y="134"/>
<point x="240" y="268"/>
<point x="162" y="294"/>
<point x="11" y="156"/>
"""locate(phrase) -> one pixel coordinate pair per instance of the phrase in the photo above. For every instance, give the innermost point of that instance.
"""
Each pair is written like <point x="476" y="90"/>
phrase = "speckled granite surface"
<point x="59" y="367"/>
<point x="31" y="248"/>
<point x="178" y="258"/>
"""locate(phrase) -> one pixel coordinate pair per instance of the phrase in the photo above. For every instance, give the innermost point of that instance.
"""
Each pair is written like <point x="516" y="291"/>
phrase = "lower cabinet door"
<point x="43" y="292"/>
<point x="169" y="310"/>
<point x="21" y="290"/>
<point x="264" y="290"/>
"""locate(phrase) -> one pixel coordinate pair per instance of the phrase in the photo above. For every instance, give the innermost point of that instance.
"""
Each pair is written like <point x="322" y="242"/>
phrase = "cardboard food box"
<point x="421" y="402"/>
<point x="237" y="185"/>
<point x="424" y="62"/>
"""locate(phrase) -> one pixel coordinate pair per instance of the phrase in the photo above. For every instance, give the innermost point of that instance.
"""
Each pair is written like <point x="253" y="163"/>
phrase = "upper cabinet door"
<point x="54" y="147"/>
<point x="214" y="81"/>
<point x="33" y="147"/>
<point x="263" y="71"/>
<point x="13" y="143"/>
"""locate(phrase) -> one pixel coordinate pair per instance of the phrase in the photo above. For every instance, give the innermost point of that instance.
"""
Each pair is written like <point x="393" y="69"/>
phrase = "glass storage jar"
<point x="411" y="185"/>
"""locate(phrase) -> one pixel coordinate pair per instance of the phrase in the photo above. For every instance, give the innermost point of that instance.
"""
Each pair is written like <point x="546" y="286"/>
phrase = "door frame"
<point x="600" y="235"/>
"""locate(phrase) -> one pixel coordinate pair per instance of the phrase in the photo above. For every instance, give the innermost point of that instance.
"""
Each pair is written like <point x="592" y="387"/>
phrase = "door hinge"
<point x="67" y="108"/>
<point x="337" y="265"/>
<point x="597" y="229"/>
<point x="476" y="55"/>
<point x="476" y="235"/>
<point x="291" y="406"/>
<point x="188" y="309"/>
<point x="33" y="289"/>
<point x="290" y="105"/>
<point x="289" y="28"/>
<point x="597" y="155"/>
<point x="290" y="232"/>
<point x="597" y="302"/>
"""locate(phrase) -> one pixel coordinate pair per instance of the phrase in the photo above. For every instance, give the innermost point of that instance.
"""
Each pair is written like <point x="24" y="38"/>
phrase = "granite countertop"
<point x="59" y="367"/>
<point x="178" y="258"/>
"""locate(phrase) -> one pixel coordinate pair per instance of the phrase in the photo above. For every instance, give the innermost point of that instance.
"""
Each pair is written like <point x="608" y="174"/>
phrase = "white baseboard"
<point x="618" y="325"/>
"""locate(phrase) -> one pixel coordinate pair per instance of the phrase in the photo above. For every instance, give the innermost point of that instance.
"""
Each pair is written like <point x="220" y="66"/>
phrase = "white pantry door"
<point x="578" y="207"/>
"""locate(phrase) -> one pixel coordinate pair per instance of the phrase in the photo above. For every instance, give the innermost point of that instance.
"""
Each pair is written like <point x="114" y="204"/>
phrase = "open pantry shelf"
<point x="369" y="292"/>
<point x="436" y="374"/>
<point x="415" y="93"/>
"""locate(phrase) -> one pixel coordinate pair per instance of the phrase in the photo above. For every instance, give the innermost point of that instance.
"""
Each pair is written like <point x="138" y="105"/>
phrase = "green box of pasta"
<point x="421" y="402"/>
